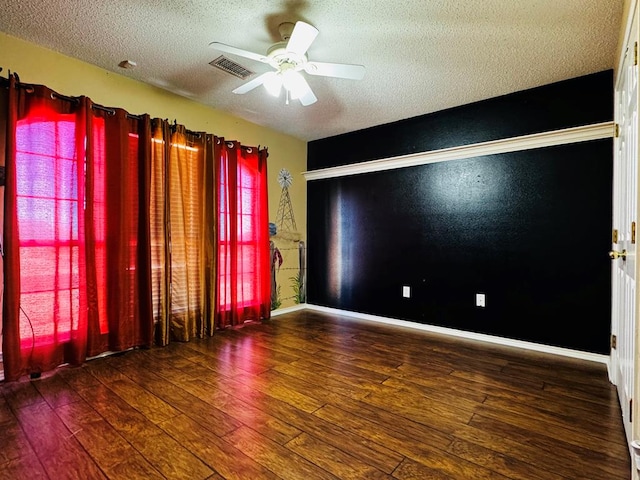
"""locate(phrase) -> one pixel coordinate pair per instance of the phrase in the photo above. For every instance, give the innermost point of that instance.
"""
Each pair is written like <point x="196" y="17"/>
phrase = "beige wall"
<point x="72" y="77"/>
<point x="627" y="10"/>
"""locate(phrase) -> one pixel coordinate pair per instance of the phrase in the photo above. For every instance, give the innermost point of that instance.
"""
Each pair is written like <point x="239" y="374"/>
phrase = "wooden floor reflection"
<point x="314" y="396"/>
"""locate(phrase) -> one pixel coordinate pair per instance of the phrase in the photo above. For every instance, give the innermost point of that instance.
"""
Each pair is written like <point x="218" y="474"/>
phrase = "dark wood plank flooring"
<point x="313" y="396"/>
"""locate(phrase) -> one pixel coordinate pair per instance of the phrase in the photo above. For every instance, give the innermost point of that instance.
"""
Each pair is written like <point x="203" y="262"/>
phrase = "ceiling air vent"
<point x="229" y="66"/>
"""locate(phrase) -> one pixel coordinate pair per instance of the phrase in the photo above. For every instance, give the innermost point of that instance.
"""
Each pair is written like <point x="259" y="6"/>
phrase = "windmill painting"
<point x="285" y="221"/>
<point x="286" y="245"/>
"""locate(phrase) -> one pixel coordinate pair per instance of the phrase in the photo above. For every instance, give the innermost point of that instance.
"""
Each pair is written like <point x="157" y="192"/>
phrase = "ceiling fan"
<point x="288" y="59"/>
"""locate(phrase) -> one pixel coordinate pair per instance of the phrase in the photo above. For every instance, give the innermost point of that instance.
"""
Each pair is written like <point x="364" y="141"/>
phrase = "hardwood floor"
<point x="312" y="396"/>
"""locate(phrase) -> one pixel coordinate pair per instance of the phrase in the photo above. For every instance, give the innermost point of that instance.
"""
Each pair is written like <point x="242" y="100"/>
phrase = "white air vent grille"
<point x="229" y="66"/>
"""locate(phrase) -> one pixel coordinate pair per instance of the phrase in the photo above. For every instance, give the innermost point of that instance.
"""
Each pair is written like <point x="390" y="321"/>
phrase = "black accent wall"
<point x="571" y="103"/>
<point x="531" y="229"/>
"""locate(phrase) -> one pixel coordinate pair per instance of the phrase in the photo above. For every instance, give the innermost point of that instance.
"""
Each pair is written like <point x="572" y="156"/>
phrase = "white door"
<point x="623" y="251"/>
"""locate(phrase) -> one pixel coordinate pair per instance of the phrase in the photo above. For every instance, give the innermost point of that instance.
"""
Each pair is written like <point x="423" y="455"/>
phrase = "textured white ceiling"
<point x="421" y="56"/>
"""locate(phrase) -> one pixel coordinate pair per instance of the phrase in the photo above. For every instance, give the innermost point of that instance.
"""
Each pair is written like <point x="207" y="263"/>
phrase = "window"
<point x="47" y="203"/>
<point x="186" y="226"/>
<point x="51" y="204"/>
<point x="245" y="237"/>
<point x="243" y="243"/>
<point x="177" y="233"/>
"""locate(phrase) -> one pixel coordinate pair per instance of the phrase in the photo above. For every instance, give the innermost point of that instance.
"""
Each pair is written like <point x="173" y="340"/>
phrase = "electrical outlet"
<point x="480" y="300"/>
<point x="406" y="291"/>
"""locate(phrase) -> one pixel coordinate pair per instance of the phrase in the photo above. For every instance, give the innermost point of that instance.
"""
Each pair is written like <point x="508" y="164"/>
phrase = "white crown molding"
<point x="526" y="142"/>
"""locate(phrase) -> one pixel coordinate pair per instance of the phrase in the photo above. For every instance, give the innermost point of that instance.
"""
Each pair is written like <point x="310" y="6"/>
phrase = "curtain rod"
<point x="174" y="125"/>
<point x="111" y="111"/>
<point x="94" y="106"/>
<point x="5" y="80"/>
<point x="74" y="100"/>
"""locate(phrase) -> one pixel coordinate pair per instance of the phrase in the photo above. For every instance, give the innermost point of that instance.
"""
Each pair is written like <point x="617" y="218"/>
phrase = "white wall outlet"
<point x="406" y="291"/>
<point x="480" y="300"/>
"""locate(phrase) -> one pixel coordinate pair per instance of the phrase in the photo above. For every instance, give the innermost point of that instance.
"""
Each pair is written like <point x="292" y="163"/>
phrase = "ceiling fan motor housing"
<point x="279" y="57"/>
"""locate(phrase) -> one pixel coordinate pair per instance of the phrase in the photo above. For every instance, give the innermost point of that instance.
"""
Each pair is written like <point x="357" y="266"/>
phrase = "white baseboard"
<point x="282" y="311"/>
<point x="594" y="357"/>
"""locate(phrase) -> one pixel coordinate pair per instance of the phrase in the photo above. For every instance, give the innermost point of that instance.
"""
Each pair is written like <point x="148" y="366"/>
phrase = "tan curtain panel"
<point x="182" y="232"/>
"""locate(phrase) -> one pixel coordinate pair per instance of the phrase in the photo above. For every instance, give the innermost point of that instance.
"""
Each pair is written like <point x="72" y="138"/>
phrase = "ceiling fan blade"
<point x="339" y="70"/>
<point x="301" y="38"/>
<point x="238" y="51"/>
<point x="305" y="94"/>
<point x="256" y="82"/>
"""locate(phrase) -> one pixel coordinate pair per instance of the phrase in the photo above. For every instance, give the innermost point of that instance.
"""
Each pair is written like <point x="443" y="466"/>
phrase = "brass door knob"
<point x="615" y="254"/>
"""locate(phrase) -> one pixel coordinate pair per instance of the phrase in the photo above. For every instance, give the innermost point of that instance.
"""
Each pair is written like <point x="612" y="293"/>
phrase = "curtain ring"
<point x="249" y="150"/>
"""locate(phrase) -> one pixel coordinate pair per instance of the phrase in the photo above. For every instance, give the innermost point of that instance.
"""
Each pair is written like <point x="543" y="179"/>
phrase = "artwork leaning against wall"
<point x="288" y="252"/>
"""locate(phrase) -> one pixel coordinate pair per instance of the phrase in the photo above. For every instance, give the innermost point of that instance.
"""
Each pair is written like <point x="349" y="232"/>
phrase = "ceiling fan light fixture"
<point x="294" y="83"/>
<point x="273" y="84"/>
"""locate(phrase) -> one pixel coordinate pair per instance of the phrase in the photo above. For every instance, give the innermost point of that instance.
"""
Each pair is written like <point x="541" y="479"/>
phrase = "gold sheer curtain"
<point x="182" y="232"/>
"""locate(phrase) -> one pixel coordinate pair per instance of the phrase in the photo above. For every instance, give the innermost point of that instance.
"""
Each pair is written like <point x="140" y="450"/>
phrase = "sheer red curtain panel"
<point x="76" y="229"/>
<point x="243" y="281"/>
<point x="118" y="178"/>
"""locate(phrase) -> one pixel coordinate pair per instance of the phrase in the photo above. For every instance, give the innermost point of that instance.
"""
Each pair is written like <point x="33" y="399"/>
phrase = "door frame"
<point x="631" y="29"/>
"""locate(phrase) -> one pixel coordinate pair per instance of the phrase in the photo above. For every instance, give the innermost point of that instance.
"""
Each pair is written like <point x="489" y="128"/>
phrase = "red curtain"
<point x="77" y="273"/>
<point x="118" y="178"/>
<point x="82" y="215"/>
<point x="243" y="280"/>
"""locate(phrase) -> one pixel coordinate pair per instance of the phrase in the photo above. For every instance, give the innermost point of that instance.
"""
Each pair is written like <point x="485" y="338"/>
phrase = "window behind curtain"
<point x="245" y="238"/>
<point x="47" y="202"/>
<point x="158" y="226"/>
<point x="243" y="245"/>
<point x="77" y="270"/>
<point x="186" y="227"/>
<point x="47" y="198"/>
<point x="179" y="232"/>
